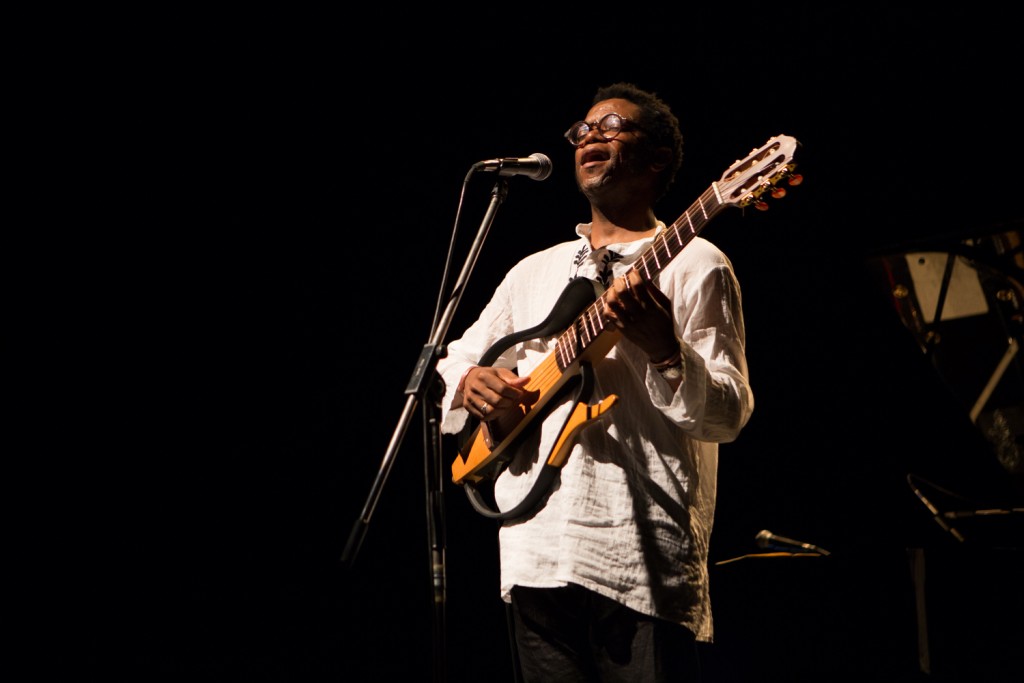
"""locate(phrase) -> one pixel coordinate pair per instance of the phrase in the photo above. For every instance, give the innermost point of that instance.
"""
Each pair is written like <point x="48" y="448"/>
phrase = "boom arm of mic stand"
<point x="425" y="370"/>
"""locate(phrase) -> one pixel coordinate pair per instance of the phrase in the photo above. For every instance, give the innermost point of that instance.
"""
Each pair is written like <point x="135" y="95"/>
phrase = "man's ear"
<point x="661" y="159"/>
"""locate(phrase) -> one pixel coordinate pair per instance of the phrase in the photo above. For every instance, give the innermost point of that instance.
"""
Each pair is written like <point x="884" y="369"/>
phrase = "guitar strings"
<point x="592" y="322"/>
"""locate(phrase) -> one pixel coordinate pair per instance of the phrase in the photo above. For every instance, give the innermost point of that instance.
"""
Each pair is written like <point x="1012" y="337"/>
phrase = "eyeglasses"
<point x="608" y="127"/>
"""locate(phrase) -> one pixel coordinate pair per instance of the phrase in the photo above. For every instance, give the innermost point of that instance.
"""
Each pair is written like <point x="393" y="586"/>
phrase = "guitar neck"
<point x="579" y="337"/>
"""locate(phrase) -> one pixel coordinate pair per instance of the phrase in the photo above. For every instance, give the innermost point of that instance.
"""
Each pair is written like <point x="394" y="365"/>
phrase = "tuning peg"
<point x="778" y="192"/>
<point x="795" y="179"/>
<point x="761" y="205"/>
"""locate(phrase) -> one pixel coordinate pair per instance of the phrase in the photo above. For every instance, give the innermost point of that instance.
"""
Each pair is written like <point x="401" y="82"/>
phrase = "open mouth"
<point x="593" y="155"/>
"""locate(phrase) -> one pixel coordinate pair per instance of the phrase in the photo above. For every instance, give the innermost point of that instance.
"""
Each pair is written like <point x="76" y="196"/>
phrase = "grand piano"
<point x="962" y="300"/>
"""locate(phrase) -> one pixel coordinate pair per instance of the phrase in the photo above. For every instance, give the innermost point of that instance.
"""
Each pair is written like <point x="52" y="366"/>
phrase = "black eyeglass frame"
<point x="581" y="129"/>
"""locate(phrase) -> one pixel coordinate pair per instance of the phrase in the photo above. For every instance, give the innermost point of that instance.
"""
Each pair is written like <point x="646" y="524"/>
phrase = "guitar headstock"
<point x="761" y="170"/>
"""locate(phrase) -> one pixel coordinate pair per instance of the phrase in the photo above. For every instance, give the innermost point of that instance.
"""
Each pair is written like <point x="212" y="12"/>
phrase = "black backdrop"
<point x="297" y="183"/>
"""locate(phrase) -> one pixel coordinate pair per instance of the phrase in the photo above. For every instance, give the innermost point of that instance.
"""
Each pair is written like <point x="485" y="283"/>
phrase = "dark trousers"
<point x="571" y="634"/>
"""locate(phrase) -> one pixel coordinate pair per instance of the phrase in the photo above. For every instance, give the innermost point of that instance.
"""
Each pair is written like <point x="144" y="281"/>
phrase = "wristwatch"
<point x="671" y="368"/>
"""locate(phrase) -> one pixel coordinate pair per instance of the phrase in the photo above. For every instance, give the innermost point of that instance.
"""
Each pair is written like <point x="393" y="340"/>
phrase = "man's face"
<point x="601" y="162"/>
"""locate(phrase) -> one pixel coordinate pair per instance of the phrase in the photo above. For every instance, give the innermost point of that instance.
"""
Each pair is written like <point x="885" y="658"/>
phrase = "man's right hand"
<point x="488" y="393"/>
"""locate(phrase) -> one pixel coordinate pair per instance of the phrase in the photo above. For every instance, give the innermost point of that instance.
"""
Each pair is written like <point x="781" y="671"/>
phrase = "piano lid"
<point x="963" y="301"/>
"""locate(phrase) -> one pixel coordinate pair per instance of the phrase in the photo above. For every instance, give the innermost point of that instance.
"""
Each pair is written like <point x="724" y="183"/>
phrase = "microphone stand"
<point x="426" y="386"/>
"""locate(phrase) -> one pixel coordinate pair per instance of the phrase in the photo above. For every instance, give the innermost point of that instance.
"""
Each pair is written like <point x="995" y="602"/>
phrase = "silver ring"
<point x="484" y="407"/>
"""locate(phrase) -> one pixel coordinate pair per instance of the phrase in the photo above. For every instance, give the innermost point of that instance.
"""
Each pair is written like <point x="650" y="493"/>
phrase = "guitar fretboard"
<point x="666" y="246"/>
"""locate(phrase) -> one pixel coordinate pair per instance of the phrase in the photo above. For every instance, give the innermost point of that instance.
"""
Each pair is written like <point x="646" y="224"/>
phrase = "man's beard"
<point x="624" y="166"/>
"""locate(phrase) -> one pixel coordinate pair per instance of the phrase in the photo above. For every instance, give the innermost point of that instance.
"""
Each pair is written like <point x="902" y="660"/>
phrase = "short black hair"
<point x="657" y="121"/>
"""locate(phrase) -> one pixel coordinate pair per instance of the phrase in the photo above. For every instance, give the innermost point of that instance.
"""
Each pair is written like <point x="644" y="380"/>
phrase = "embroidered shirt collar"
<point x="627" y="250"/>
<point x="610" y="260"/>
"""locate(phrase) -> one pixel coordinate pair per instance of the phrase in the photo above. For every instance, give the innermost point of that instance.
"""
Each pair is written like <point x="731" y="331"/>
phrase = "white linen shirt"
<point x="631" y="513"/>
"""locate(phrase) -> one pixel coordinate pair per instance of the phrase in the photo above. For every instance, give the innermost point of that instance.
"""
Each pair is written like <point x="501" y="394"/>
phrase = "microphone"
<point x="536" y="166"/>
<point x="766" y="539"/>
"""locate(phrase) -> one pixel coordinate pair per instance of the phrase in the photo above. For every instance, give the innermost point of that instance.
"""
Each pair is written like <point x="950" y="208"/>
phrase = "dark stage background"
<point x="295" y="184"/>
